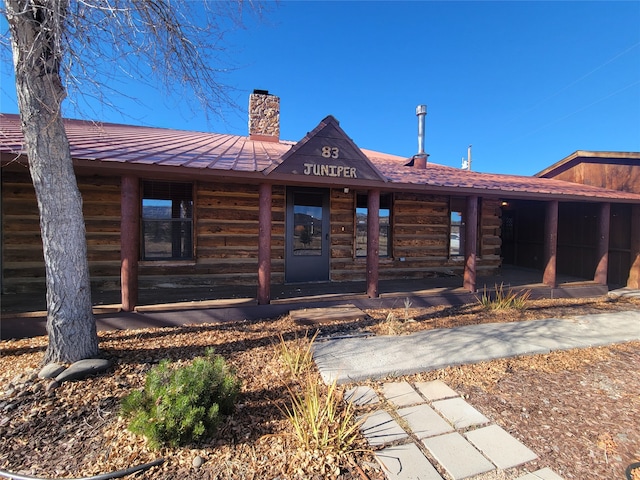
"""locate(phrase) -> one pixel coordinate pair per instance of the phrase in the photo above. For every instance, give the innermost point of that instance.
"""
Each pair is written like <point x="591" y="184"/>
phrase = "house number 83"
<point x="330" y="152"/>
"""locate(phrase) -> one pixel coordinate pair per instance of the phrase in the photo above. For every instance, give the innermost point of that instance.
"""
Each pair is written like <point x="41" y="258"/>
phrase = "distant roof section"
<point x="98" y="144"/>
<point x="592" y="157"/>
<point x="450" y="179"/>
<point x="108" y="142"/>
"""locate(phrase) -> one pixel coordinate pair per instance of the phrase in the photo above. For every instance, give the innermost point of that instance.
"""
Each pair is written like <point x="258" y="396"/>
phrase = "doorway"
<point x="307" y="235"/>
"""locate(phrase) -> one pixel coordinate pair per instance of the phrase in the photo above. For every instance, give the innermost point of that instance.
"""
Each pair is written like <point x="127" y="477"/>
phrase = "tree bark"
<point x="36" y="32"/>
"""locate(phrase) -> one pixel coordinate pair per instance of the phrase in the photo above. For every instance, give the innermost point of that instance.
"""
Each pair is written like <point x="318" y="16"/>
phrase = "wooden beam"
<point x="634" y="272"/>
<point x="373" y="242"/>
<point x="471" y="244"/>
<point x="602" y="252"/>
<point x="264" y="244"/>
<point x="550" y="244"/>
<point x="129" y="240"/>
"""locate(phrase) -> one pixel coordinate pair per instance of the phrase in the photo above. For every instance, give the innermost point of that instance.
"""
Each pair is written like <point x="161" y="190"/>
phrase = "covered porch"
<point x="422" y="291"/>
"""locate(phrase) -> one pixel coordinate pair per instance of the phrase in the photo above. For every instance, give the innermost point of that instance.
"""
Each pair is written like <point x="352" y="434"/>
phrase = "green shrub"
<point x="182" y="405"/>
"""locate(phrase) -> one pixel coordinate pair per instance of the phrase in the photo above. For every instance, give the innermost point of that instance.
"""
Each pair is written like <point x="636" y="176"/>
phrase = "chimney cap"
<point x="261" y="92"/>
<point x="421" y="110"/>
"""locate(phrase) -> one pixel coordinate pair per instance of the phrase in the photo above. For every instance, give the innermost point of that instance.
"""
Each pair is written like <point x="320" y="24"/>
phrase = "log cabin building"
<point x="189" y="209"/>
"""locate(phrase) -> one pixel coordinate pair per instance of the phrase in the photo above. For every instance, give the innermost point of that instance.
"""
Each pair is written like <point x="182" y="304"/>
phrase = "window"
<point x="307" y="219"/>
<point x="458" y="217"/>
<point x="456" y="235"/>
<point x="385" y="225"/>
<point x="456" y="227"/>
<point x="167" y="221"/>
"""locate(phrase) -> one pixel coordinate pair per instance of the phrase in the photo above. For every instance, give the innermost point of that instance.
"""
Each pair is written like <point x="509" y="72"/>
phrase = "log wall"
<point x="420" y="238"/>
<point x="23" y="263"/>
<point x="226" y="236"/>
<point x="226" y="239"/>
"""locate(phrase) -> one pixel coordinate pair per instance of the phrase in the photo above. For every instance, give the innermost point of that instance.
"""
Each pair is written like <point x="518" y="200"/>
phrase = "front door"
<point x="307" y="230"/>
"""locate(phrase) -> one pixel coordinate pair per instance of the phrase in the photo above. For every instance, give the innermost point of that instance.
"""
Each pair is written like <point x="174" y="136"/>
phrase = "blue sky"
<point x="526" y="83"/>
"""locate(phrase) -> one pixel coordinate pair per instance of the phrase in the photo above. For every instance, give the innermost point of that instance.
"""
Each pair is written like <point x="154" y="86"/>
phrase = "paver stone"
<point x="361" y="396"/>
<point x="500" y="447"/>
<point x="380" y="428"/>
<point x="457" y="456"/>
<point x="424" y="421"/>
<point x="401" y="394"/>
<point x="436" y="390"/>
<point x="406" y="462"/>
<point x="542" y="474"/>
<point x="459" y="413"/>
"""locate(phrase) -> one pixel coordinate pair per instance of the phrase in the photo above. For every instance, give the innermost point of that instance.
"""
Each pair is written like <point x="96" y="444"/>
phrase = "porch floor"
<point x="422" y="291"/>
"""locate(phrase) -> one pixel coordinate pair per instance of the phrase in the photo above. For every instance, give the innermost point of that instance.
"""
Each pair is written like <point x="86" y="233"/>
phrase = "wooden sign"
<point x="327" y="152"/>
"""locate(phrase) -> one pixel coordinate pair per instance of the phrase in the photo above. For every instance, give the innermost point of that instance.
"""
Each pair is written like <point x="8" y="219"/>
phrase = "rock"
<point x="23" y="393"/>
<point x="197" y="461"/>
<point x="83" y="368"/>
<point x="51" y="370"/>
<point x="9" y="392"/>
<point x="51" y="386"/>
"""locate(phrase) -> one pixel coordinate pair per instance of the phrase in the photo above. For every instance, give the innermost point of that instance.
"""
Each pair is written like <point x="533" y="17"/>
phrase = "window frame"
<point x="181" y="241"/>
<point x="457" y="205"/>
<point x="386" y="203"/>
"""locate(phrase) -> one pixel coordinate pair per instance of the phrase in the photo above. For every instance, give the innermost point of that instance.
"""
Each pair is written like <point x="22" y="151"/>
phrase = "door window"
<point x="307" y="219"/>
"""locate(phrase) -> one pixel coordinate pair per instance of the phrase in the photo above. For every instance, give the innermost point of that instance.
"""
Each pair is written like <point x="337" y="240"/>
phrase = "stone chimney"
<point x="264" y="116"/>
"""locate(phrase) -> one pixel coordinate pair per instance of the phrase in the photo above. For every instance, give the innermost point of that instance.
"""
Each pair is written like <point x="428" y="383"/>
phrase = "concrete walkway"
<point x="348" y="360"/>
<point x="428" y="423"/>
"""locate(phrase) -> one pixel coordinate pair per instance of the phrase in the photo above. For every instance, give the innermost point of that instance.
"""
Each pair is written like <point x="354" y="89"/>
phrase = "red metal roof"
<point x="137" y="145"/>
<point x="440" y="176"/>
<point x="109" y="142"/>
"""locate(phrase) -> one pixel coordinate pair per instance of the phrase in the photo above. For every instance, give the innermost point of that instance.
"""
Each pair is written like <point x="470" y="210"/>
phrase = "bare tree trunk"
<point x="36" y="31"/>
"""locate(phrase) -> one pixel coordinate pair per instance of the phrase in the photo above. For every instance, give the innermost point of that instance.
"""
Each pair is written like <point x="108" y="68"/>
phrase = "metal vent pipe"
<point x="421" y="112"/>
<point x="420" y="159"/>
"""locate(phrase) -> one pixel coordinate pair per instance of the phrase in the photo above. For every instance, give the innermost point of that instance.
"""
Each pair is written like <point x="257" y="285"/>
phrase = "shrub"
<point x="181" y="405"/>
<point x="298" y="354"/>
<point x="320" y="420"/>
<point x="318" y="414"/>
<point x="502" y="300"/>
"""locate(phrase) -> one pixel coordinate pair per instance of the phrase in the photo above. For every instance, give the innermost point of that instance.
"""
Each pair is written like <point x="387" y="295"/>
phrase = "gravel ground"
<point x="578" y="410"/>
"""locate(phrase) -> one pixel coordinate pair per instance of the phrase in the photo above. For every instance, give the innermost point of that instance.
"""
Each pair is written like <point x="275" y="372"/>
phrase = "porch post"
<point x="550" y="244"/>
<point x="264" y="244"/>
<point x="471" y="244"/>
<point x="129" y="240"/>
<point x="634" y="271"/>
<point x="602" y="252"/>
<point x="373" y="242"/>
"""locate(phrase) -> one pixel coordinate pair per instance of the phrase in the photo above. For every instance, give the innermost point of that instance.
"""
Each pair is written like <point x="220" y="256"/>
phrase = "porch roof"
<point x="157" y="149"/>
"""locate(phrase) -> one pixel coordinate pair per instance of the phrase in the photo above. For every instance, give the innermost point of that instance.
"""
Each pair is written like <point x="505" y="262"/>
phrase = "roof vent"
<point x="420" y="159"/>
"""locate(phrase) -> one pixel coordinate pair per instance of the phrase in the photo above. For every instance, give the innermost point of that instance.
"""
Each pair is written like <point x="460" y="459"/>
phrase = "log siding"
<point x="225" y="223"/>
